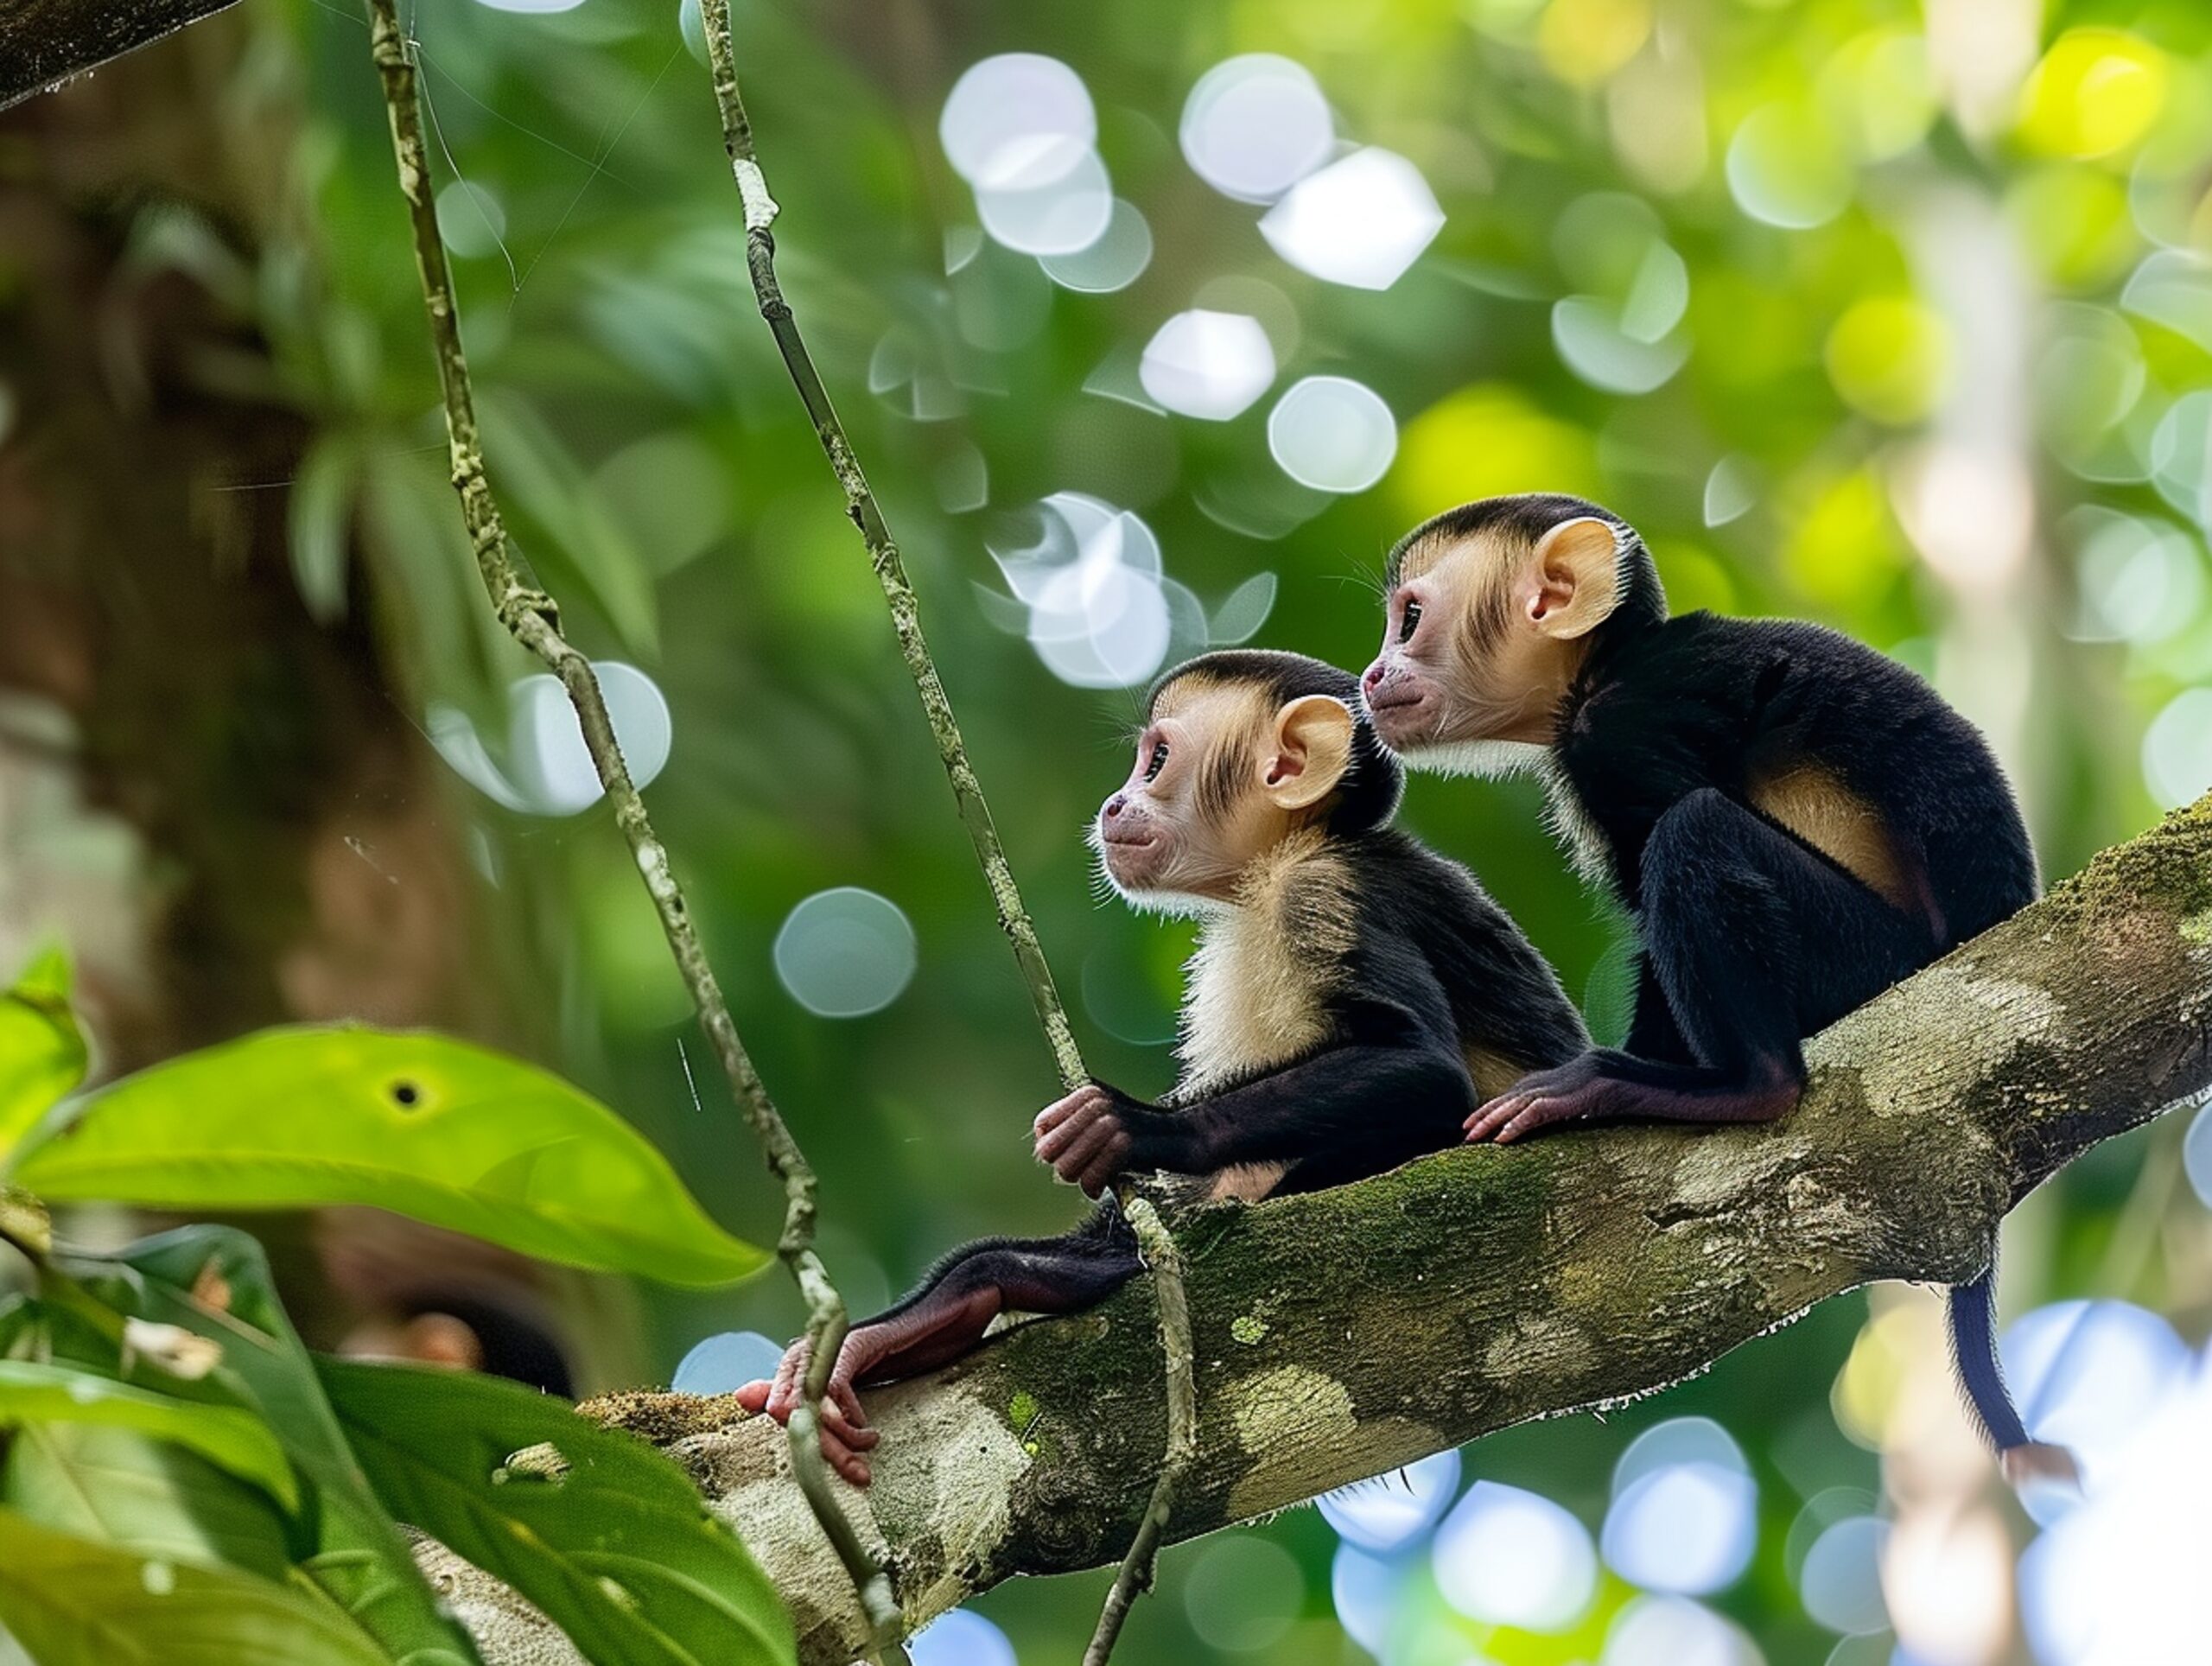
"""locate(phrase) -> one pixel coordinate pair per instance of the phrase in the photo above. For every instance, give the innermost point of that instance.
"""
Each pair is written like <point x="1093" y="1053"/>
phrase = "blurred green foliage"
<point x="1941" y="360"/>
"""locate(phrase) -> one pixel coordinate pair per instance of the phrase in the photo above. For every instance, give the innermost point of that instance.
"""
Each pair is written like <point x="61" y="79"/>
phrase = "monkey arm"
<point x="1387" y="1100"/>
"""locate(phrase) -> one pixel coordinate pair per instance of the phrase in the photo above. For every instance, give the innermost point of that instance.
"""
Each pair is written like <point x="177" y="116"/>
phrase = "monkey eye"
<point x="1157" y="762"/>
<point x="1408" y="621"/>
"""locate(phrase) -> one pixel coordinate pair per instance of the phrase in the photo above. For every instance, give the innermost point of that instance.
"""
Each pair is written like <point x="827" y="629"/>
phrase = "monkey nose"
<point x="1115" y="806"/>
<point x="1373" y="680"/>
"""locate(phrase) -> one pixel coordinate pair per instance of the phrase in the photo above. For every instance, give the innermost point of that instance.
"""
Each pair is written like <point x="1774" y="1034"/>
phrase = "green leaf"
<point x="41" y="1053"/>
<point x="587" y="1508"/>
<point x="533" y="470"/>
<point x="321" y="516"/>
<point x="214" y="1281"/>
<point x="226" y="1435"/>
<point x="451" y="1134"/>
<point x="73" y="1603"/>
<point x="117" y="1487"/>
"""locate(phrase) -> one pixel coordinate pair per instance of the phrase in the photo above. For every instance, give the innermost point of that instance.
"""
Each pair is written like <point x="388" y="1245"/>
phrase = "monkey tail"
<point x="1974" y="1352"/>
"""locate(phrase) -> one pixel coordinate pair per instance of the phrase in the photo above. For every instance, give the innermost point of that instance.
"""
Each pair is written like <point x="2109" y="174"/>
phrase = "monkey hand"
<point x="845" y="1433"/>
<point x="1573" y="1092"/>
<point x="1089" y="1138"/>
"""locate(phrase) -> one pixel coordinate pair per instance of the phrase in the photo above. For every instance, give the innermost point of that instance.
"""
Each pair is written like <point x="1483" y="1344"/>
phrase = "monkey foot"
<point x="844" y="1430"/>
<point x="1588" y="1089"/>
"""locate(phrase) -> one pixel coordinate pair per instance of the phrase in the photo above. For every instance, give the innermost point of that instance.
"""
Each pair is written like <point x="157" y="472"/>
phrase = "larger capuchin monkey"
<point x="1352" y="998"/>
<point x="1795" y="822"/>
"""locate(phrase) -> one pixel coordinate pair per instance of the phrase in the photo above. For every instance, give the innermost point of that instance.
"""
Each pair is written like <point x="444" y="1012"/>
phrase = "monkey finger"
<point x="1539" y="1113"/>
<point x="1070" y="1147"/>
<point x="1067" y="1133"/>
<point x="754" y="1395"/>
<point x="1103" y="1169"/>
<point x="842" y="1459"/>
<point x="1485" y="1122"/>
<point x="1085" y="1098"/>
<point x="1075" y="1158"/>
<point x="841" y="1397"/>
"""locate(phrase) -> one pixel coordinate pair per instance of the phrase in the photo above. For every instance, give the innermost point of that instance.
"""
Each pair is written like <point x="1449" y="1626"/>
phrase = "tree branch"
<point x="44" y="42"/>
<point x="530" y="616"/>
<point x="1343" y="1333"/>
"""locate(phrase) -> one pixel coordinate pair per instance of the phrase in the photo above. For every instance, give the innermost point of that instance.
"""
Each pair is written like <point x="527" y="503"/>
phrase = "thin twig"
<point x="860" y="507"/>
<point x="529" y="614"/>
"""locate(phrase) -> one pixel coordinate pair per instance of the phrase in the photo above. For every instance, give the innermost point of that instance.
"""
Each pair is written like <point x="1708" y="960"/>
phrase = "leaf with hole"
<point x="71" y="1602"/>
<point x="597" y="1528"/>
<point x="451" y="1134"/>
<point x="42" y="1053"/>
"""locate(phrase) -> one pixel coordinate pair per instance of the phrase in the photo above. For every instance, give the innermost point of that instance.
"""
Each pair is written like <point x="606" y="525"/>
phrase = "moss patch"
<point x="1021" y="1410"/>
<point x="663" y="1419"/>
<point x="1248" y="1328"/>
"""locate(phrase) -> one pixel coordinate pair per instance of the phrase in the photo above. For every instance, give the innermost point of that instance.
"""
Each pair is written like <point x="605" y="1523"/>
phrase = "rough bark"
<point x="1343" y="1334"/>
<point x="44" y="42"/>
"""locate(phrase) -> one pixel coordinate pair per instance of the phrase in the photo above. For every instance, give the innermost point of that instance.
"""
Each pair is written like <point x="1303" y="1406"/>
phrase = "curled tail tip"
<point x="2047" y="1478"/>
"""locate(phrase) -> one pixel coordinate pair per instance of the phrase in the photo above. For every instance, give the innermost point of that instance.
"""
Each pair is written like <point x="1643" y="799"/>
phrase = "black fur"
<point x="1435" y="968"/>
<point x="1752" y="938"/>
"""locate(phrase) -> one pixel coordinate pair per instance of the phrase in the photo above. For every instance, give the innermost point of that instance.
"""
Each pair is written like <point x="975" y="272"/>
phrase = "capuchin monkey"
<point x="1795" y="822"/>
<point x="1353" y="996"/>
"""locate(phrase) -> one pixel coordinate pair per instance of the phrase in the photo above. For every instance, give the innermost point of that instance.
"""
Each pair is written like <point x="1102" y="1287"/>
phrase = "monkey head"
<point x="1491" y="609"/>
<point x="1239" y="750"/>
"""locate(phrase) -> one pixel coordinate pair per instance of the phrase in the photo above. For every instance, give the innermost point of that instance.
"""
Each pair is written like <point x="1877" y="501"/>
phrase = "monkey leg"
<point x="1755" y="940"/>
<point x="943" y="1318"/>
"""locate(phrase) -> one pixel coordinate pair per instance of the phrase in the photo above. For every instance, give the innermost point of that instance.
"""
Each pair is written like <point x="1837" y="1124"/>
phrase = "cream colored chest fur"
<point x="1257" y="987"/>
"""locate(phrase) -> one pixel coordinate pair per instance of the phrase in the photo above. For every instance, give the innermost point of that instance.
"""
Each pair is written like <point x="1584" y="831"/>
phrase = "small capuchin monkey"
<point x="1794" y="821"/>
<point x="1352" y="997"/>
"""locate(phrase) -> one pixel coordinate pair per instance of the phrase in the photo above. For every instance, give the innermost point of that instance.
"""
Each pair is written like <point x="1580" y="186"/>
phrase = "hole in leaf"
<point x="406" y="1095"/>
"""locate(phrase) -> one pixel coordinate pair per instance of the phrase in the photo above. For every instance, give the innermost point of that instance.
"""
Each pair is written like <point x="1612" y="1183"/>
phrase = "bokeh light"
<point x="1330" y="433"/>
<point x="1684" y="1517"/>
<point x="1098" y="611"/>
<point x="1365" y="1591"/>
<point x="2084" y="1373"/>
<point x="1040" y="201"/>
<point x="2177" y="750"/>
<point x="1388" y="1513"/>
<point x="1841" y="1581"/>
<point x="1674" y="1632"/>
<point x="845" y="952"/>
<point x="2142" y="581"/>
<point x="470" y="221"/>
<point x="1113" y="260"/>
<point x="1006" y="111"/>
<point x="548" y="770"/>
<point x="962" y="1638"/>
<point x="1255" y="125"/>
<point x="2120" y="1580"/>
<point x="1360" y="221"/>
<point x="724" y="1362"/>
<point x="1208" y="365"/>
<point x="1511" y="1557"/>
<point x="2096" y="91"/>
<point x="1788" y="165"/>
<point x="1242" y="1592"/>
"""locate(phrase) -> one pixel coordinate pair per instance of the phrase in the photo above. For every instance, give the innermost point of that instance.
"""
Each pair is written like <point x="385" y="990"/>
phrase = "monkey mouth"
<point x="1129" y="841"/>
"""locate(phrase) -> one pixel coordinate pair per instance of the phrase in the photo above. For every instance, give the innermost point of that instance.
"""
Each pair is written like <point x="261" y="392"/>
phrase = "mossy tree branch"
<point x="43" y="42"/>
<point x="1343" y="1333"/>
<point x="1155" y="1244"/>
<point x="530" y="616"/>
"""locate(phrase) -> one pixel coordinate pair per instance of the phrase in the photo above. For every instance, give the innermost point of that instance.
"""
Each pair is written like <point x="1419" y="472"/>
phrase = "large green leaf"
<point x="448" y="1133"/>
<point x="71" y="1602"/>
<point x="117" y="1487"/>
<point x="213" y="1281"/>
<point x="41" y="1053"/>
<point x="587" y="1510"/>
<point x="31" y="1392"/>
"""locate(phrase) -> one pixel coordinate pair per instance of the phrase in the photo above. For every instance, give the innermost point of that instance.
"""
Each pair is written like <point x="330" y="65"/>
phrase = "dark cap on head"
<point x="1367" y="796"/>
<point x="1522" y="518"/>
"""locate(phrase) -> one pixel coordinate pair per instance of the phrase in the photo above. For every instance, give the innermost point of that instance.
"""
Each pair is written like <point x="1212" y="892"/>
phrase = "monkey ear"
<point x="1572" y="583"/>
<point x="1312" y="752"/>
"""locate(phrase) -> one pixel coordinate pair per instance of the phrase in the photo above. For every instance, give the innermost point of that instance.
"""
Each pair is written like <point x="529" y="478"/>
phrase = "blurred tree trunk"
<point x="217" y="798"/>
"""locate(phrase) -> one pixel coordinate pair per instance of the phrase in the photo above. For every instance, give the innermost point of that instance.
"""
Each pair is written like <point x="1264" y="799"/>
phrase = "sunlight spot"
<point x="845" y="952"/>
